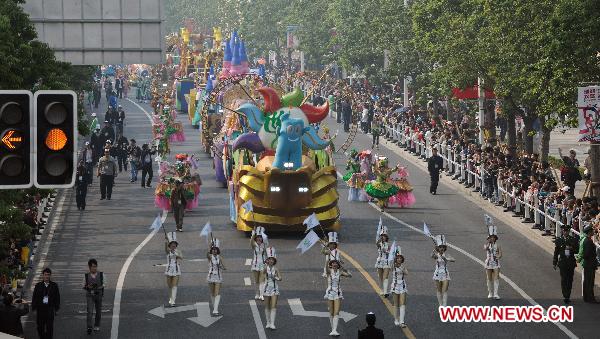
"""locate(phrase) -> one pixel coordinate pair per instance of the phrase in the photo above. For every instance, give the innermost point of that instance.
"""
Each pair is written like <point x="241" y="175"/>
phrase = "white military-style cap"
<point x="172" y="237"/>
<point x="440" y="240"/>
<point x="333" y="237"/>
<point x="271" y="252"/>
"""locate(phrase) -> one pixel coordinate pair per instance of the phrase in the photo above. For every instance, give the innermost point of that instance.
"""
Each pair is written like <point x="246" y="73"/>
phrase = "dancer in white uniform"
<point x="215" y="274"/>
<point x="331" y="251"/>
<point x="441" y="275"/>
<point x="258" y="245"/>
<point x="492" y="262"/>
<point x="173" y="270"/>
<point x="398" y="288"/>
<point x="383" y="264"/>
<point x="271" y="287"/>
<point x="334" y="294"/>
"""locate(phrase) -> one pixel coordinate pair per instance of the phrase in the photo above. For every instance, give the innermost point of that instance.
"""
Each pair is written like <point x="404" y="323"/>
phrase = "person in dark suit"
<point x="564" y="257"/>
<point x="434" y="166"/>
<point x="587" y="257"/>
<point x="10" y="316"/>
<point x="370" y="332"/>
<point x="46" y="301"/>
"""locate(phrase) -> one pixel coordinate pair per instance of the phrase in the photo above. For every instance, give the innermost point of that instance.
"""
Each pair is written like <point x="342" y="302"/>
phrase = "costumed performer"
<point x="330" y="250"/>
<point x="258" y="245"/>
<point x="334" y="294"/>
<point x="271" y="287"/>
<point x="215" y="274"/>
<point x="441" y="275"/>
<point x="173" y="270"/>
<point x="380" y="189"/>
<point x="382" y="264"/>
<point x="398" y="287"/>
<point x="405" y="197"/>
<point x="492" y="262"/>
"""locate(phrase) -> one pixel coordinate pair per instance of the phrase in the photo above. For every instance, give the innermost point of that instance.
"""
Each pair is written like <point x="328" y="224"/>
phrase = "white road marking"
<point x="257" y="321"/>
<point x="143" y="110"/>
<point x="247" y="281"/>
<point x="203" y="316"/>
<point x="248" y="262"/>
<point x="298" y="309"/>
<point x="114" y="331"/>
<point x="44" y="252"/>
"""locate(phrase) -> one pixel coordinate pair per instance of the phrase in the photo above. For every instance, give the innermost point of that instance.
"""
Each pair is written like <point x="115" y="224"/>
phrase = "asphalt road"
<point x="117" y="233"/>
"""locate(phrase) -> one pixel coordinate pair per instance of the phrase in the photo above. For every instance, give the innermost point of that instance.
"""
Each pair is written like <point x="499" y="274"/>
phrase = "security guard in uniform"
<point x="566" y="247"/>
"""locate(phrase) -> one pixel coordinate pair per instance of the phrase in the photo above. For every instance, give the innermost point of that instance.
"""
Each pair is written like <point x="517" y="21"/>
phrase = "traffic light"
<point x="55" y="139"/>
<point x="15" y="139"/>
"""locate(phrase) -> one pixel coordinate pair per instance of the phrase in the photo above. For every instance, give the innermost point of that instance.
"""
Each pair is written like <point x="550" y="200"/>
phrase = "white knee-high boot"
<point x="331" y="321"/>
<point x="170" y="295"/>
<point x="496" y="284"/>
<point x="334" y="325"/>
<point x="174" y="294"/>
<point x="396" y="315"/>
<point x="445" y="298"/>
<point x="261" y="289"/>
<point x="273" y="313"/>
<point x="402" y="313"/>
<point x="257" y="294"/>
<point x="268" y="317"/>
<point x="216" y="304"/>
<point x="385" y="286"/>
<point x="489" y="287"/>
<point x="439" y="297"/>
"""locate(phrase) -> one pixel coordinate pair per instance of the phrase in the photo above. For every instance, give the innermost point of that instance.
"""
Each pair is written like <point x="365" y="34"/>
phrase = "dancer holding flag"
<point x="258" y="245"/>
<point x="398" y="288"/>
<point x="383" y="264"/>
<point x="215" y="273"/>
<point x="441" y="275"/>
<point x="333" y="294"/>
<point x="492" y="260"/>
<point x="173" y="270"/>
<point x="271" y="287"/>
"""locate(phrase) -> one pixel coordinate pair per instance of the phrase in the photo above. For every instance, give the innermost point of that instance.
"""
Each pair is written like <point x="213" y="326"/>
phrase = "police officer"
<point x="587" y="258"/>
<point x="434" y="166"/>
<point x="565" y="249"/>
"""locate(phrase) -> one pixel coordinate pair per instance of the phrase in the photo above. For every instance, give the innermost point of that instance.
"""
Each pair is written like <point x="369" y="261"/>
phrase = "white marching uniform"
<point x="441" y="272"/>
<point x="214" y="269"/>
<point x="398" y="282"/>
<point x="383" y="250"/>
<point x="271" y="285"/>
<point x="334" y="290"/>
<point x="258" y="261"/>
<point x="491" y="261"/>
<point x="173" y="268"/>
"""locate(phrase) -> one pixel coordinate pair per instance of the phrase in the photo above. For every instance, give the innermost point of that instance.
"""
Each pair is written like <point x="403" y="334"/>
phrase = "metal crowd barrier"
<point x="461" y="168"/>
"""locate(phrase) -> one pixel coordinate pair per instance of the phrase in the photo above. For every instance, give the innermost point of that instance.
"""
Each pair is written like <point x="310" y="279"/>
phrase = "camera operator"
<point x="11" y="312"/>
<point x="94" y="285"/>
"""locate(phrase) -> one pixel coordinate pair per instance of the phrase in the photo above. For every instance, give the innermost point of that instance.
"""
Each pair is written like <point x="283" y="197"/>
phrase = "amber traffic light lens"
<point x="56" y="139"/>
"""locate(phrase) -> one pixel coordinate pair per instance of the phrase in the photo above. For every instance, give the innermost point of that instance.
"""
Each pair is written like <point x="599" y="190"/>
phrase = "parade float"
<point x="275" y="171"/>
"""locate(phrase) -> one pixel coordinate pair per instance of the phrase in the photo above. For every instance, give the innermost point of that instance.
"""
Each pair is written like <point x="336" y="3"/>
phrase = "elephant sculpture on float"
<point x="283" y="125"/>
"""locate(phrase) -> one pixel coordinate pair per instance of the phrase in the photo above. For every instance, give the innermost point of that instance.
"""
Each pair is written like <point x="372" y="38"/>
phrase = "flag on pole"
<point x="488" y="219"/>
<point x="426" y="231"/>
<point x="157" y="223"/>
<point x="248" y="206"/>
<point x="311" y="222"/>
<point x="378" y="229"/>
<point x="392" y="254"/>
<point x="309" y="240"/>
<point x="206" y="231"/>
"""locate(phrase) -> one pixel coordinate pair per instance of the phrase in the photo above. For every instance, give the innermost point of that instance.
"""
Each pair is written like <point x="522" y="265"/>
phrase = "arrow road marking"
<point x="161" y="311"/>
<point x="204" y="318"/>
<point x="298" y="309"/>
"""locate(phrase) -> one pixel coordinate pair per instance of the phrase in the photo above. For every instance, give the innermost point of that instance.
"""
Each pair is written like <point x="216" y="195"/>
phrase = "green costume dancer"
<point x="380" y="189"/>
<point x="353" y="165"/>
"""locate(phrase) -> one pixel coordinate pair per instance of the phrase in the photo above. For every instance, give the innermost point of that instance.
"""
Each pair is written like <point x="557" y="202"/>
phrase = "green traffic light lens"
<point x="55" y="165"/>
<point x="12" y="165"/>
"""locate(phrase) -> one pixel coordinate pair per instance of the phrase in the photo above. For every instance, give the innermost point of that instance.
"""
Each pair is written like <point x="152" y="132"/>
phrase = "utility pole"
<point x="481" y="109"/>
